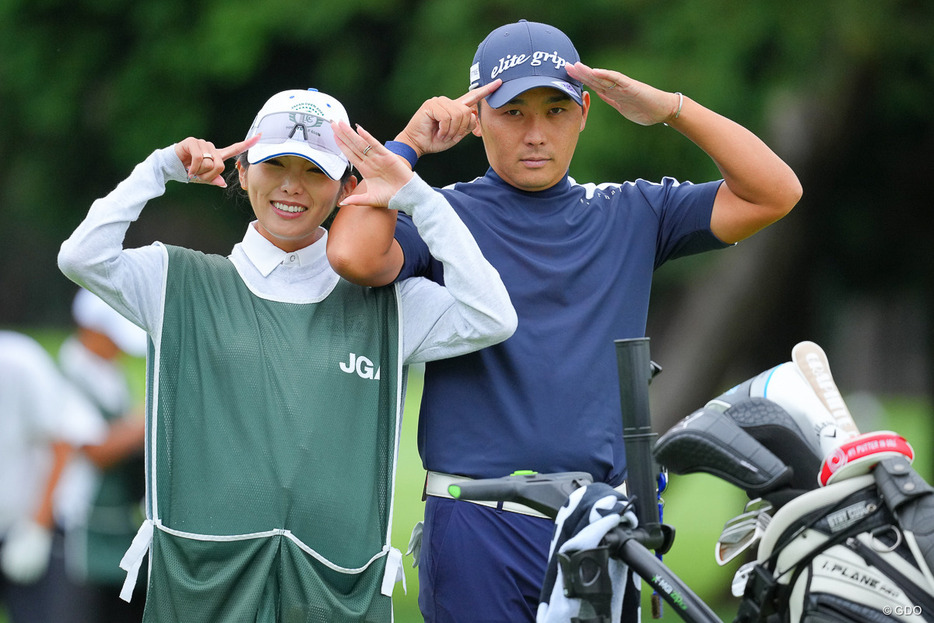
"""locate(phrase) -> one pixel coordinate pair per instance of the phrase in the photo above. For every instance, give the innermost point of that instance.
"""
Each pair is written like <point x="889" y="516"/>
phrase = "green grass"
<point x="696" y="505"/>
<point x="408" y="508"/>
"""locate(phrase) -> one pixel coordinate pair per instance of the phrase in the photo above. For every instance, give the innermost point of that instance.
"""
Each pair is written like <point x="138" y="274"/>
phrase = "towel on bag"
<point x="588" y="515"/>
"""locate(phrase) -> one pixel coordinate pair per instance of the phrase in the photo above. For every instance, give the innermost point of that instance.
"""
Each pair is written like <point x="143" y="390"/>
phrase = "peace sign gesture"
<point x="205" y="162"/>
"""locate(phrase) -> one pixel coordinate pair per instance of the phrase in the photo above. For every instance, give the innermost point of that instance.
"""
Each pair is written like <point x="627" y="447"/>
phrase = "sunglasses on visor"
<point x="280" y="127"/>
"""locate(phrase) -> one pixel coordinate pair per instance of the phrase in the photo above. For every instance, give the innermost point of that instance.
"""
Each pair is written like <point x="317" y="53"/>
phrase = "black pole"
<point x="635" y="373"/>
<point x="686" y="603"/>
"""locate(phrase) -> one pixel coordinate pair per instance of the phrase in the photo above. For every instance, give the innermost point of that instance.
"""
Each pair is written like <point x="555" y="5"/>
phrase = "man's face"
<point x="530" y="140"/>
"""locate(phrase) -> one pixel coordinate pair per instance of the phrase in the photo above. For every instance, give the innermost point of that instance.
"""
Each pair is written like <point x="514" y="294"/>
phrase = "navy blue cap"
<point x="525" y="55"/>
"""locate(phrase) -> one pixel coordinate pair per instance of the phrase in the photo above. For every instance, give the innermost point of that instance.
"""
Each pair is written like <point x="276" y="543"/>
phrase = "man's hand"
<point x="638" y="102"/>
<point x="440" y="123"/>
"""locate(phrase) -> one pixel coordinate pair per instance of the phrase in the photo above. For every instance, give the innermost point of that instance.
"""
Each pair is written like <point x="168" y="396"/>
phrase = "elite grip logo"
<point x="510" y="61"/>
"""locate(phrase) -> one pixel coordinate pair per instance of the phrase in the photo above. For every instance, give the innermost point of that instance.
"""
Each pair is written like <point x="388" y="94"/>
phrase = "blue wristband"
<point x="401" y="149"/>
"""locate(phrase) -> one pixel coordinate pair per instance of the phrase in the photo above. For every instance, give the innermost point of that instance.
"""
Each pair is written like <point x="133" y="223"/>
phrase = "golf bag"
<point x="858" y="550"/>
<point x="852" y="534"/>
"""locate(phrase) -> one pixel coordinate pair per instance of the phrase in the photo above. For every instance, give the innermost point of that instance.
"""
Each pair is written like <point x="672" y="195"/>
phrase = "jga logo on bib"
<point x="361" y="366"/>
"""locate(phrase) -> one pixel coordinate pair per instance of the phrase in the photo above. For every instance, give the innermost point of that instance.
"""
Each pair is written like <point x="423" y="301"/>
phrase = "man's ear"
<point x="476" y="129"/>
<point x="585" y="108"/>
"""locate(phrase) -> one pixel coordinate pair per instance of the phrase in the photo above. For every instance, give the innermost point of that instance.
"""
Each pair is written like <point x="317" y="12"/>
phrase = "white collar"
<point x="266" y="256"/>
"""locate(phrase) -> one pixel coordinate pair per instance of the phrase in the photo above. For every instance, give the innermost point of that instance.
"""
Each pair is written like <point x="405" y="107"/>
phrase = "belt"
<point x="436" y="485"/>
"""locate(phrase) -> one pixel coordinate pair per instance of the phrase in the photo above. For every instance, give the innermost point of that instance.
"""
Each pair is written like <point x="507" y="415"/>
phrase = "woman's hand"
<point x="205" y="162"/>
<point x="384" y="173"/>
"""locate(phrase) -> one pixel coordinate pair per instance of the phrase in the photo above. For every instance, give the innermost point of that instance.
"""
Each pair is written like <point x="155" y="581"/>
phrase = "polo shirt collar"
<point x="266" y="256"/>
<point x="560" y="187"/>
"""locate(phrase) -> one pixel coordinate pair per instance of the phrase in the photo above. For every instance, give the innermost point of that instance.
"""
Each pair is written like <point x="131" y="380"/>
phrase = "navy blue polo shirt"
<point x="577" y="260"/>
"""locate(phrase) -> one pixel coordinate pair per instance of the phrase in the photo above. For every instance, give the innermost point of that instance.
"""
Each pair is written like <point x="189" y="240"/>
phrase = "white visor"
<point x="294" y="133"/>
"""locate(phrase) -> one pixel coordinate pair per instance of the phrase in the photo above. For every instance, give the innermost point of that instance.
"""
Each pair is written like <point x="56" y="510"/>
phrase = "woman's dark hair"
<point x="233" y="178"/>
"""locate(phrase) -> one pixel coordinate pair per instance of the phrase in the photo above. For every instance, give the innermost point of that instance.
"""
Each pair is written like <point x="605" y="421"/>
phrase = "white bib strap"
<point x="393" y="572"/>
<point x="133" y="558"/>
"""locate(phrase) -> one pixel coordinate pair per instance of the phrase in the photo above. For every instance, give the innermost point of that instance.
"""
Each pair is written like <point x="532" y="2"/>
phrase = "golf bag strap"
<point x="763" y="592"/>
<point x="911" y="500"/>
<point x="918" y="596"/>
<point x="867" y="524"/>
<point x="899" y="482"/>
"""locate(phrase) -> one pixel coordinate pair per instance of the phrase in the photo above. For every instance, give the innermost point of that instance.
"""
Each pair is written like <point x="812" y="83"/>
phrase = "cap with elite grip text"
<point x="525" y="55"/>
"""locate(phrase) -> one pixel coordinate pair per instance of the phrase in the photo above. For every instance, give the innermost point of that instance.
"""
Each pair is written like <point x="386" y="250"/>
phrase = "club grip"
<point x="492" y="490"/>
<point x="635" y="374"/>
<point x="545" y="493"/>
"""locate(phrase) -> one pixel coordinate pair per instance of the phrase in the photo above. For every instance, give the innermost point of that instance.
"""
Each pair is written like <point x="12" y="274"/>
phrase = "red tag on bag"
<point x="860" y="454"/>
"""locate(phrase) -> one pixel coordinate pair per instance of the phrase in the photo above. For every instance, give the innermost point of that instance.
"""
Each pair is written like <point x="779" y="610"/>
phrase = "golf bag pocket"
<point x="838" y="554"/>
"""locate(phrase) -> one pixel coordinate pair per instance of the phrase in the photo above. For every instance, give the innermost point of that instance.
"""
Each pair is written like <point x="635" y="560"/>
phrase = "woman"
<point x="274" y="386"/>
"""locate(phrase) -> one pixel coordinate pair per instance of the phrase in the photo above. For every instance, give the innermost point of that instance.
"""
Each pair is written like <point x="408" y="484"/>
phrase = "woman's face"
<point x="291" y="197"/>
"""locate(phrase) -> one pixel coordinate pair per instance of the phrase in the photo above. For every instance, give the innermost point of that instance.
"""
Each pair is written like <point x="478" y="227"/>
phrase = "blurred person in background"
<point x="99" y="501"/>
<point x="43" y="420"/>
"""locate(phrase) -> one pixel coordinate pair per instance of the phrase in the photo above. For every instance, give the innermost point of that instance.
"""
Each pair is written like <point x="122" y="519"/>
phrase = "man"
<point x="577" y="261"/>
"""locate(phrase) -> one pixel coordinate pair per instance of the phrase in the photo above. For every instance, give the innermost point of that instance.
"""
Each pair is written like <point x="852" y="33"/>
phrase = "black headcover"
<point x="769" y="424"/>
<point x="710" y="441"/>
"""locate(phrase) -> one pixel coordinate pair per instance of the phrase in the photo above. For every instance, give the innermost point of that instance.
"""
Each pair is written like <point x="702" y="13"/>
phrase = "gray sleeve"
<point x="129" y="280"/>
<point x="472" y="310"/>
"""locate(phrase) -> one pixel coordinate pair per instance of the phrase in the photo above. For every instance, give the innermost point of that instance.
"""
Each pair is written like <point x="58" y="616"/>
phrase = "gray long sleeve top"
<point x="470" y="312"/>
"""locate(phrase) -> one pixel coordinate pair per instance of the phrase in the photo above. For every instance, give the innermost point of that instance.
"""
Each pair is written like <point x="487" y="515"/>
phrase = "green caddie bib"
<point x="272" y="439"/>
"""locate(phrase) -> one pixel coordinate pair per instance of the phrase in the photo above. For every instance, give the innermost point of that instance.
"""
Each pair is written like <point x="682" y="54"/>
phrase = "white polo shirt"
<point x="37" y="408"/>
